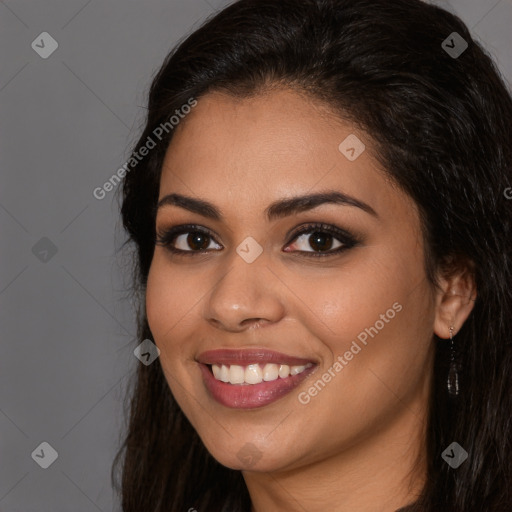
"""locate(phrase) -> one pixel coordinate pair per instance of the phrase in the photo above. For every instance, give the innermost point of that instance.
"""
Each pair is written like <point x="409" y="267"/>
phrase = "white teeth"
<point x="270" y="372"/>
<point x="224" y="373"/>
<point x="254" y="373"/>
<point x="284" y="371"/>
<point x="294" y="370"/>
<point x="236" y="374"/>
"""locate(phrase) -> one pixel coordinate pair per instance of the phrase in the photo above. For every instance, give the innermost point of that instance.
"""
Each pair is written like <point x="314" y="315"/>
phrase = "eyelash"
<point x="167" y="237"/>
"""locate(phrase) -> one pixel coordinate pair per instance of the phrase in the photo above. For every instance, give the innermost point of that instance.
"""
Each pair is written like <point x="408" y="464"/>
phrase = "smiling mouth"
<point x="258" y="392"/>
<point x="251" y="377"/>
<point x="254" y="373"/>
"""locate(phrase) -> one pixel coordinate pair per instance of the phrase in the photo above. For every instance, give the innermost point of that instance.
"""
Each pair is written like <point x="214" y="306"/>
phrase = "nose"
<point x="245" y="296"/>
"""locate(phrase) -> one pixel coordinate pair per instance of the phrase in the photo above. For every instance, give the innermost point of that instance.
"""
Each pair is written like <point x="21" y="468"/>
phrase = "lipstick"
<point x="251" y="378"/>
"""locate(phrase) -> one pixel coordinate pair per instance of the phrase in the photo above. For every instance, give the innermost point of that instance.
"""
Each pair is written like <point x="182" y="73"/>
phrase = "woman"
<point x="323" y="257"/>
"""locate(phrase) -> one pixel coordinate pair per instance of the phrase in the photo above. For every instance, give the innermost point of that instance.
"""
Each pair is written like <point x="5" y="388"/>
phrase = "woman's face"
<point x="261" y="302"/>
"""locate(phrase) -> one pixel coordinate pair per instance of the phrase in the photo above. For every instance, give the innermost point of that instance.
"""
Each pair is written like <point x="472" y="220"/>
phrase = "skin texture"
<point x="359" y="443"/>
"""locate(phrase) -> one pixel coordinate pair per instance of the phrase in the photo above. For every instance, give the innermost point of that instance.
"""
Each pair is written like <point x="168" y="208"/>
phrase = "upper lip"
<point x="249" y="356"/>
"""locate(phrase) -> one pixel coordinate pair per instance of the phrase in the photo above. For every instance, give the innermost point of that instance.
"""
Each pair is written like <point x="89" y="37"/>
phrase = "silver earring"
<point x="453" y="372"/>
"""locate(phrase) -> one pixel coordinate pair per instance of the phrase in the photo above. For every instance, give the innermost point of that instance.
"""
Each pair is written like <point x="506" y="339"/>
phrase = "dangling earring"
<point x="453" y="372"/>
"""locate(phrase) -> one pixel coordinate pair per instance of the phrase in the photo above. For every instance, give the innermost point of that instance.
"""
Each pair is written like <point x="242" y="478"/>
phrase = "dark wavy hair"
<point x="441" y="128"/>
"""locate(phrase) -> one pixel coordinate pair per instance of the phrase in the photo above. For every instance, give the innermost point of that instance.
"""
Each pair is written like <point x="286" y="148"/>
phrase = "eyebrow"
<point x="278" y="209"/>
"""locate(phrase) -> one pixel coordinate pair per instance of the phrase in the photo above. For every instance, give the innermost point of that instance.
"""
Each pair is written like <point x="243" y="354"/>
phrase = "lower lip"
<point x="250" y="396"/>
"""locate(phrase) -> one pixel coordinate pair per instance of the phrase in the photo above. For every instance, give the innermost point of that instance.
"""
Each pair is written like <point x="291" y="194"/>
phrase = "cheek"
<point x="378" y="366"/>
<point x="343" y="302"/>
<point x="171" y="299"/>
<point x="158" y="298"/>
<point x="376" y="316"/>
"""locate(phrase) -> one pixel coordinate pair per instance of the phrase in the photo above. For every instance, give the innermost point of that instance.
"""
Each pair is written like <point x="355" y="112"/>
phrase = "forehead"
<point x="244" y="153"/>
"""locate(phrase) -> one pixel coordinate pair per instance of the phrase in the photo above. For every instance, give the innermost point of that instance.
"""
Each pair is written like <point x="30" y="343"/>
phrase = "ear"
<point x="455" y="299"/>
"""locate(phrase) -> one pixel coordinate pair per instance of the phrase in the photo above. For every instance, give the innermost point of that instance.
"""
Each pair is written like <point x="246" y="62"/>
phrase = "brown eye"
<point x="318" y="241"/>
<point x="186" y="240"/>
<point x="197" y="241"/>
<point x="321" y="240"/>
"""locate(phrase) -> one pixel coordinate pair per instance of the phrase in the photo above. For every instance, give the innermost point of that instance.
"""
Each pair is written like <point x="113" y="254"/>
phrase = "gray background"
<point x="67" y="331"/>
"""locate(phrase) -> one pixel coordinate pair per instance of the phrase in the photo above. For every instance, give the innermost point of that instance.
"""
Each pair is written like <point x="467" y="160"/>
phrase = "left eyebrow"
<point x="285" y="207"/>
<point x="278" y="209"/>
